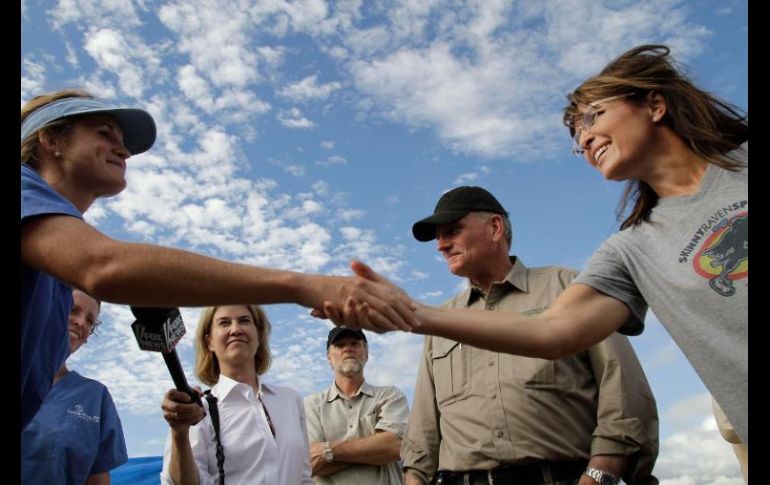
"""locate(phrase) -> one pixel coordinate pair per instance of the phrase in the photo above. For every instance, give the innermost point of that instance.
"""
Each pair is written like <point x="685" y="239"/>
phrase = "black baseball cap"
<point x="339" y="332"/>
<point x="454" y="205"/>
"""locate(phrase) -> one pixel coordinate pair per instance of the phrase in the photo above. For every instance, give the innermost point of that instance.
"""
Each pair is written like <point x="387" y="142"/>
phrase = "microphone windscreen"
<point x="151" y="314"/>
<point x="157" y="329"/>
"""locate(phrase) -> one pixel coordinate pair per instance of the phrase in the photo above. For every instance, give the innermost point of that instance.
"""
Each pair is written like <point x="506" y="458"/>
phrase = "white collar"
<point x="225" y="386"/>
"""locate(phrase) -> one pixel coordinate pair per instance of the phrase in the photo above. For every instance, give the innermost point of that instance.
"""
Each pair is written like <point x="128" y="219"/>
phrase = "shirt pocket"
<point x="366" y="425"/>
<point x="451" y="371"/>
<point x="534" y="373"/>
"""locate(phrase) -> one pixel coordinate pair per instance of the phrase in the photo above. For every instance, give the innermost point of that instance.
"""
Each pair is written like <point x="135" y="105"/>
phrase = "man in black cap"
<point x="485" y="417"/>
<point x="354" y="428"/>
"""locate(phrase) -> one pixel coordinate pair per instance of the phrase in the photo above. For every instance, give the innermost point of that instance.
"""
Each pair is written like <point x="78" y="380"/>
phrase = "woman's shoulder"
<point x="79" y="380"/>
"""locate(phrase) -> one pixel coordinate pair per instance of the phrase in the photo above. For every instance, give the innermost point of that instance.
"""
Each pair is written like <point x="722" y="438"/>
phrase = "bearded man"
<point x="354" y="428"/>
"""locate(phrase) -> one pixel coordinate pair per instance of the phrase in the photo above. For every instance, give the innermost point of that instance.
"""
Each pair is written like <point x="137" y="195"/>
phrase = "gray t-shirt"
<point x="690" y="264"/>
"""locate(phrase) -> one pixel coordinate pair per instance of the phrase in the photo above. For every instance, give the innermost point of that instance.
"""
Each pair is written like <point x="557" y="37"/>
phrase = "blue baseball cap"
<point x="137" y="125"/>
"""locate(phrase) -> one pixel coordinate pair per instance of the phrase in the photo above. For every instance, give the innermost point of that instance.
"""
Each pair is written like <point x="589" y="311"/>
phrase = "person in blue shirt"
<point x="76" y="436"/>
<point x="74" y="150"/>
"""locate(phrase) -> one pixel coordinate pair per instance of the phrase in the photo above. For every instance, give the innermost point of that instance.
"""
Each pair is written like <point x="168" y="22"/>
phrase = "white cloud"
<point x="32" y="79"/>
<point x="462" y="85"/>
<point x="311" y="16"/>
<point x="327" y="144"/>
<point x="296" y="170"/>
<point x="117" y="13"/>
<point x="224" y="64"/>
<point x="430" y="295"/>
<point x="216" y="41"/>
<point x="308" y="89"/>
<point x="348" y="215"/>
<point x="367" y="41"/>
<point x="464" y="102"/>
<point x="195" y="88"/>
<point x="420" y="275"/>
<point x="466" y="178"/>
<point x="698" y="456"/>
<point x="409" y="19"/>
<point x="292" y="118"/>
<point x="72" y="54"/>
<point x="695" y="452"/>
<point x="108" y="48"/>
<point x="321" y="188"/>
<point x="332" y="160"/>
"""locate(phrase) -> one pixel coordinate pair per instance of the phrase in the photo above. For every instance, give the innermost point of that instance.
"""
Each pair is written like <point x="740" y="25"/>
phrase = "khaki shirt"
<point x="477" y="409"/>
<point x="333" y="416"/>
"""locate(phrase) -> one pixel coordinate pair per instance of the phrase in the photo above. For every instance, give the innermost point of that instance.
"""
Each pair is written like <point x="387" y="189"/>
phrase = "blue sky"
<point x="301" y="134"/>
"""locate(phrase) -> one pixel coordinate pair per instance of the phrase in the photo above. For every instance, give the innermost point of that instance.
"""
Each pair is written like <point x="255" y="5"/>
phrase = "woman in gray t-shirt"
<point x="682" y="248"/>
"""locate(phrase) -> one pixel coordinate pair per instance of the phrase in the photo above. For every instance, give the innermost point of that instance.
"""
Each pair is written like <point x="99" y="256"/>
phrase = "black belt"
<point x="514" y="474"/>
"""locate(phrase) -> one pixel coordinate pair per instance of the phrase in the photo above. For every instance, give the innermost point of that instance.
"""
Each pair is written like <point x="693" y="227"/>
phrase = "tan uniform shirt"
<point x="332" y="416"/>
<point x="477" y="409"/>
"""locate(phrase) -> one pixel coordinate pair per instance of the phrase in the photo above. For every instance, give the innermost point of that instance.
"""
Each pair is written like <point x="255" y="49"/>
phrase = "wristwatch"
<point x="601" y="477"/>
<point x="328" y="453"/>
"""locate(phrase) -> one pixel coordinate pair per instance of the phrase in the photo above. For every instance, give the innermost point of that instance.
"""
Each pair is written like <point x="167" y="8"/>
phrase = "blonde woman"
<point x="261" y="426"/>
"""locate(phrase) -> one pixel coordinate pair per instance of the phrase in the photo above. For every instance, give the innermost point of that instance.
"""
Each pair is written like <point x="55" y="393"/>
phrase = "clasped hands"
<point x="373" y="303"/>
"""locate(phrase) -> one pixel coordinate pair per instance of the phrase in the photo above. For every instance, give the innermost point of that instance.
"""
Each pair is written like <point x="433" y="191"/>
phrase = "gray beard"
<point x="350" y="367"/>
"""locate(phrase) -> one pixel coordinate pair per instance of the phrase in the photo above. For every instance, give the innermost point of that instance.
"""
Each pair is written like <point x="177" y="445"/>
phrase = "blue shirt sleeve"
<point x="45" y="303"/>
<point x="39" y="198"/>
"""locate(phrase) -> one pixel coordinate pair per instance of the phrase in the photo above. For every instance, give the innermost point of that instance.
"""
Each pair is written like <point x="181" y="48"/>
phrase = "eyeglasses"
<point x="587" y="121"/>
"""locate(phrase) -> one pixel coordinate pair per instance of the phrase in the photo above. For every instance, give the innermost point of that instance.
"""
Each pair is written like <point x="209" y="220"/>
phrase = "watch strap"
<point x="328" y="452"/>
<point x="601" y="477"/>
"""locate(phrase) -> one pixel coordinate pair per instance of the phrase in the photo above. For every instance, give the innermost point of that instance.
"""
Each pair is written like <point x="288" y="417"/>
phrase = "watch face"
<point x="607" y="480"/>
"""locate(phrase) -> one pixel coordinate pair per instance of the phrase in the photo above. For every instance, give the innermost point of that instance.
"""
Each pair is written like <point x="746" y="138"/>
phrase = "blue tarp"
<point x="143" y="470"/>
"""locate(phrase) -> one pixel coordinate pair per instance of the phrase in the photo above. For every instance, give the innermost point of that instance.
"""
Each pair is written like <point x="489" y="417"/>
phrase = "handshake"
<point x="369" y="301"/>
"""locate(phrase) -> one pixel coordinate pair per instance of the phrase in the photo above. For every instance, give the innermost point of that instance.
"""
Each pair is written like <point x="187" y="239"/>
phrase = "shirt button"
<point x="493" y="396"/>
<point x="491" y="362"/>
<point x="499" y="434"/>
<point x="350" y="426"/>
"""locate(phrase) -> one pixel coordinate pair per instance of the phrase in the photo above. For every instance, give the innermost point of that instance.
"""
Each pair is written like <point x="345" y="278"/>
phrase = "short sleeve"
<point x="112" y="445"/>
<point x="394" y="412"/>
<point x="607" y="273"/>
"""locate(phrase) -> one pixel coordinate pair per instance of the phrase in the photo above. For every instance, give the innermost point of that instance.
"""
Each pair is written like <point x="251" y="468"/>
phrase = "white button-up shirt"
<point x="252" y="455"/>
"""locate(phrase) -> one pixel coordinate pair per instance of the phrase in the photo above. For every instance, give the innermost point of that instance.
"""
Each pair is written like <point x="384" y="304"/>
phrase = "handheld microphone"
<point x="159" y="330"/>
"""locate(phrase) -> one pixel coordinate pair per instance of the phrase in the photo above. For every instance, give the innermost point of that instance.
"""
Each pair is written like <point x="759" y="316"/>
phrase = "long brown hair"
<point x="711" y="127"/>
<point x="206" y="364"/>
<point x="58" y="128"/>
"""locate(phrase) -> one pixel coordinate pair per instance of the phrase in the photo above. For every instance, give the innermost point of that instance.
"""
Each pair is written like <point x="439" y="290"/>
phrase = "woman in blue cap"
<point x="74" y="150"/>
